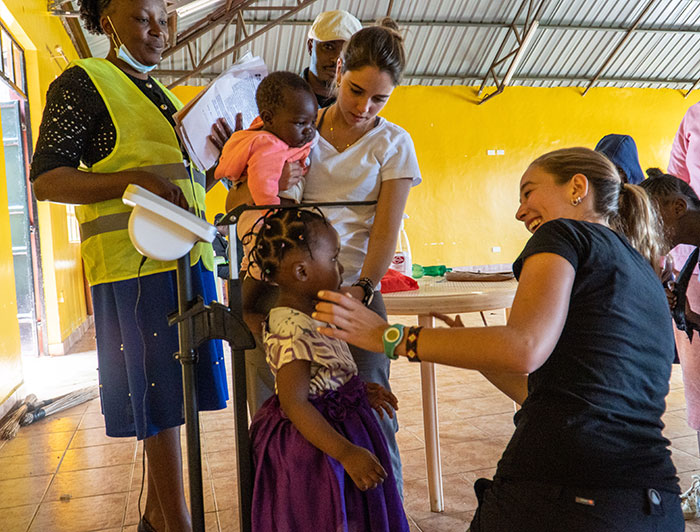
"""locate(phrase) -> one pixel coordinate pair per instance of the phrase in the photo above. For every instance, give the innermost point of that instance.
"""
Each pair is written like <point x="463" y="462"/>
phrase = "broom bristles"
<point x="61" y="403"/>
<point x="10" y="427"/>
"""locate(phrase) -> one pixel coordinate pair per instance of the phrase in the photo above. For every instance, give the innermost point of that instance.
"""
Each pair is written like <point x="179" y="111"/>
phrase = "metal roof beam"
<point x="551" y="25"/>
<point x="534" y="10"/>
<point x="222" y="15"/>
<point x="461" y="77"/>
<point x="301" y="4"/>
<point x="619" y="45"/>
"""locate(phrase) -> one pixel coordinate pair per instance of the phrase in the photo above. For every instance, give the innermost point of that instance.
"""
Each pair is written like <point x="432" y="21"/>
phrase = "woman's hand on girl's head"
<point x="356" y="324"/>
<point x="381" y="399"/>
<point x="363" y="467"/>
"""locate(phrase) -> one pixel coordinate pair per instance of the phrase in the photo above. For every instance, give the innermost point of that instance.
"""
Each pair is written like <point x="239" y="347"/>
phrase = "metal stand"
<point x="188" y="358"/>
<point x="198" y="323"/>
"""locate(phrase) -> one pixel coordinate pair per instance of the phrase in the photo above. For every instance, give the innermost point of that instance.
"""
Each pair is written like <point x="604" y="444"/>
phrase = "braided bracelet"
<point x="412" y="343"/>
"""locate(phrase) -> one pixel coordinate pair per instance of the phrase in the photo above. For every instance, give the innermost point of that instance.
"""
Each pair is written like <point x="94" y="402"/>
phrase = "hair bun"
<point x="654" y="172"/>
<point x="388" y="23"/>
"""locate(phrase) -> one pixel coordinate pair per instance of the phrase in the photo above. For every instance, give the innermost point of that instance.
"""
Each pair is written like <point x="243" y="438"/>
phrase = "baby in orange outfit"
<point x="285" y="131"/>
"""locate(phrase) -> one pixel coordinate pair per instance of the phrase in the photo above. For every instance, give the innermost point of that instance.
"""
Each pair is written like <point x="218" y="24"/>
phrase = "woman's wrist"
<point x="398" y="340"/>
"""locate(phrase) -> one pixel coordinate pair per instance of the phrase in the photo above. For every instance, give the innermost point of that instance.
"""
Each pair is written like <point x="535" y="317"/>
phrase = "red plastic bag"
<point x="394" y="281"/>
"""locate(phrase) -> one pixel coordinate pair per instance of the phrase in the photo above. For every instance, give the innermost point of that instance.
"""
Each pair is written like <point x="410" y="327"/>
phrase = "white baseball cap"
<point x="336" y="25"/>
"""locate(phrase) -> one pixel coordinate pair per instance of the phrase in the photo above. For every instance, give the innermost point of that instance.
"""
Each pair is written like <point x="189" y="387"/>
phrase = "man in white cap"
<point x="327" y="36"/>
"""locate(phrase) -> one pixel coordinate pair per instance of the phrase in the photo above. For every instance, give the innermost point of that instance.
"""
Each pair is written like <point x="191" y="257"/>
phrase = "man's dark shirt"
<point x="323" y="101"/>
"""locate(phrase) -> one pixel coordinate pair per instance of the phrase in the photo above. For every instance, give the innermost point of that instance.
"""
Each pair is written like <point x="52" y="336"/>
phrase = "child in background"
<point x="320" y="458"/>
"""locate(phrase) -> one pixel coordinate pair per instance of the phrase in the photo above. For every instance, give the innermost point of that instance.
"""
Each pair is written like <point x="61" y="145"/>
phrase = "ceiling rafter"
<point x="476" y="75"/>
<point x="528" y="28"/>
<point x="301" y="4"/>
<point x="619" y="45"/>
<point x="209" y="23"/>
<point x="636" y="59"/>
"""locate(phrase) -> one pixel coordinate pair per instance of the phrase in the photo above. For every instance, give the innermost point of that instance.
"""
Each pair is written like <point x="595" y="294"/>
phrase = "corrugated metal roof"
<point x="454" y="42"/>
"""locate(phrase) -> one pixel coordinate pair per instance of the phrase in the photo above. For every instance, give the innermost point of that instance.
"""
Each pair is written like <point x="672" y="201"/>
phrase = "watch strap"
<point x="391" y="338"/>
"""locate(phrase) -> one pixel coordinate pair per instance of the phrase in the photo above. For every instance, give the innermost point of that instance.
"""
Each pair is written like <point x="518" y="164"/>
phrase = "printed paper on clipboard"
<point x="230" y="93"/>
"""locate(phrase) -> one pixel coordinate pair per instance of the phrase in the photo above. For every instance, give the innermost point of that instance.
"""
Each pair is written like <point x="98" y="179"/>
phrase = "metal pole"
<point x="244" y="460"/>
<point x="188" y="360"/>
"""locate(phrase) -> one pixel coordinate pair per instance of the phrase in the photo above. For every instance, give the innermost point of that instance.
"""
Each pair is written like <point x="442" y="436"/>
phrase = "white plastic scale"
<point x="161" y="230"/>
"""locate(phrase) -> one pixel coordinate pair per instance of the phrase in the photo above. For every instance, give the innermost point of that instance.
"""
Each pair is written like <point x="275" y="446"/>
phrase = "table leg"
<point x="430" y="428"/>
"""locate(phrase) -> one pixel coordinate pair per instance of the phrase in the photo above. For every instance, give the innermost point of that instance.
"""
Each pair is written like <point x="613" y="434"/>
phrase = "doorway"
<point x="21" y="203"/>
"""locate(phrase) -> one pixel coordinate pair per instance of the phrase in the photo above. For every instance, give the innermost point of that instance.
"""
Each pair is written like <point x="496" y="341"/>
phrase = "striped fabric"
<point x="290" y="335"/>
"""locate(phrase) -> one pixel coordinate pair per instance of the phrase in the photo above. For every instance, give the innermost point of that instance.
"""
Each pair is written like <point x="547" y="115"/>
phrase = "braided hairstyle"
<point x="280" y="231"/>
<point x="90" y="13"/>
<point x="663" y="187"/>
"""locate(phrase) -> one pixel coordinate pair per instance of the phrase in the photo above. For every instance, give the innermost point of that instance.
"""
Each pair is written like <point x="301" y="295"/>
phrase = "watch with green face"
<point x="391" y="338"/>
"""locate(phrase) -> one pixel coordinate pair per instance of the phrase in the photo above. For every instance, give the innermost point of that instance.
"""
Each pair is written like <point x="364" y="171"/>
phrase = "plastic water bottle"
<point x="402" y="262"/>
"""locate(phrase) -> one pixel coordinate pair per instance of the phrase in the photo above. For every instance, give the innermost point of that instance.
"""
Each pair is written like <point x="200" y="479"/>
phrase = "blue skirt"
<point x="140" y="380"/>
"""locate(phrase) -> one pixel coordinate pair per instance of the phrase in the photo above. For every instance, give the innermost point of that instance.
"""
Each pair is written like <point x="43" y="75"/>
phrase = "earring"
<point x="576" y="201"/>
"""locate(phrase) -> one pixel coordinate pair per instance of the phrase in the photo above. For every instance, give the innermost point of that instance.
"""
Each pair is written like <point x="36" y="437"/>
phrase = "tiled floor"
<point x="64" y="475"/>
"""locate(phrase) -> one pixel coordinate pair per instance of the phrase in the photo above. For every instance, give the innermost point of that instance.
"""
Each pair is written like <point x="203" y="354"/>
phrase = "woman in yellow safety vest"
<point x="108" y="124"/>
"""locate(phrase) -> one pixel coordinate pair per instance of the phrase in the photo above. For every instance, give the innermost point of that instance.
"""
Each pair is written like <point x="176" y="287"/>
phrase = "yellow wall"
<point x="39" y="33"/>
<point x="465" y="205"/>
<point x="467" y="201"/>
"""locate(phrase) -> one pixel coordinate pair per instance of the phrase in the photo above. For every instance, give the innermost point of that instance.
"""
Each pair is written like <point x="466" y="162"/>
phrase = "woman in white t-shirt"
<point x="361" y="156"/>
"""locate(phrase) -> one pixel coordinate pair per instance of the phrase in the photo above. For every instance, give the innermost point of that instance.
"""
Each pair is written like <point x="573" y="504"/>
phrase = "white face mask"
<point x="124" y="54"/>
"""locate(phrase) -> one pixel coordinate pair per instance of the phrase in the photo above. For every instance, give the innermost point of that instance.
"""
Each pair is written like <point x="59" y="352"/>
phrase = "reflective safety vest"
<point x="145" y="141"/>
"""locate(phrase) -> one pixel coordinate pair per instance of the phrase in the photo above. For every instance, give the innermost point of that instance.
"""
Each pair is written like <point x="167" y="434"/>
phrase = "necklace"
<point x="332" y="131"/>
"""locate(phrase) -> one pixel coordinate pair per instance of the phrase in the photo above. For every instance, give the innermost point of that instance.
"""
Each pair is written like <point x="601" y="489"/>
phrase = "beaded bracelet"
<point x="412" y="343"/>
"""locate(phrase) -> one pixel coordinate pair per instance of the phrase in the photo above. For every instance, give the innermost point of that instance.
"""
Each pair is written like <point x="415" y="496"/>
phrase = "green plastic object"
<point x="435" y="271"/>
<point x="417" y="271"/>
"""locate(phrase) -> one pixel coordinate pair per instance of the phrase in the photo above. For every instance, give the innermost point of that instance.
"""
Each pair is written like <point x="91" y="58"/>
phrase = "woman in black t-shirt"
<point x="587" y="351"/>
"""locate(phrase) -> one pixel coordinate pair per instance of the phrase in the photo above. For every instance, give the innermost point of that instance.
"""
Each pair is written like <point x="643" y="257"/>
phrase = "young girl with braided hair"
<point x="321" y="461"/>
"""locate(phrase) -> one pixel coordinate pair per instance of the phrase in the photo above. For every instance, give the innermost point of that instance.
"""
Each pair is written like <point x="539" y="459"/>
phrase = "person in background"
<point x="679" y="208"/>
<point x="684" y="163"/>
<point x="326" y="38"/>
<point x="587" y="351"/>
<point x="108" y="124"/>
<point x="622" y="151"/>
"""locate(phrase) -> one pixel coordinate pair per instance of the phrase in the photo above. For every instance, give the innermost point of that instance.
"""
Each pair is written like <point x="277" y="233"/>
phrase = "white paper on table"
<point x="230" y="93"/>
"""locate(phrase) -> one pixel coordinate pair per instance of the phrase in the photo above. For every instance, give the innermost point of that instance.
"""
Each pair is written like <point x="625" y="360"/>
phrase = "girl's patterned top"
<point x="290" y="335"/>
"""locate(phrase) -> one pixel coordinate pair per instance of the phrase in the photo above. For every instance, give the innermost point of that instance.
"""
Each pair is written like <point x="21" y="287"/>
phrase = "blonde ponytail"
<point x="637" y="220"/>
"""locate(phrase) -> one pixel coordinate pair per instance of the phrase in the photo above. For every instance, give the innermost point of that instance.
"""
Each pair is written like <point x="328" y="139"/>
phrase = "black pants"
<point x="508" y="506"/>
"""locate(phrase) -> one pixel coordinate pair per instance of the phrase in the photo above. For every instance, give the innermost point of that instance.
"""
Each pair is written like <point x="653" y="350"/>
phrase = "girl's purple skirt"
<point x="299" y="488"/>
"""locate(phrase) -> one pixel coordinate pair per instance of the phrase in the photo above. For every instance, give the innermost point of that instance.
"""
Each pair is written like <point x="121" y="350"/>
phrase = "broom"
<point x="58" y="404"/>
<point x="10" y="425"/>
